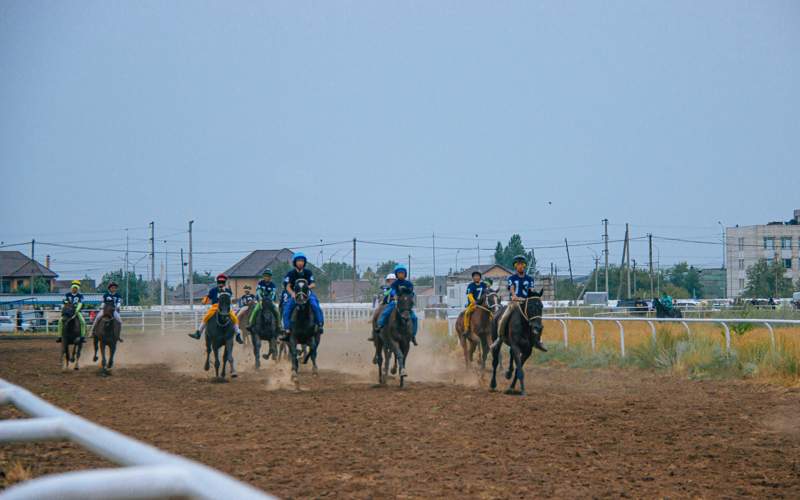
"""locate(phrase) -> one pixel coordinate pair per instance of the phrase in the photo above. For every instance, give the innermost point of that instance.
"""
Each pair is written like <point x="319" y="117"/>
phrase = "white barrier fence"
<point x="147" y="473"/>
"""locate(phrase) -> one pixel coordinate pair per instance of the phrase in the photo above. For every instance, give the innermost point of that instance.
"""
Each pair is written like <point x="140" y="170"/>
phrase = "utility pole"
<point x="33" y="265"/>
<point x="127" y="274"/>
<point x="628" y="257"/>
<point x="621" y="275"/>
<point x="354" y="269"/>
<point x="605" y="251"/>
<point x="166" y="265"/>
<point x="650" y="252"/>
<point x="152" y="251"/>
<point x="183" y="276"/>
<point x="191" y="270"/>
<point x="569" y="261"/>
<point x="409" y="266"/>
<point x="596" y="273"/>
<point x="434" y="263"/>
<point x="479" y="249"/>
<point x="634" y="276"/>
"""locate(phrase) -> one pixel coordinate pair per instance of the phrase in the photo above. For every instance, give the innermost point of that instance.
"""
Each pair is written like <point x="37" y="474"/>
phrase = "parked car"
<point x="9" y="325"/>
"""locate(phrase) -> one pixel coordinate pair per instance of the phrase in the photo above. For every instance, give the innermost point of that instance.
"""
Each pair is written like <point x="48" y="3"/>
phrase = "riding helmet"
<point x="222" y="278"/>
<point x="298" y="256"/>
<point x="113" y="283"/>
<point x="520" y="258"/>
<point x="400" y="268"/>
<point x="391" y="276"/>
<point x="75" y="283"/>
<point x="478" y="273"/>
<point x="267" y="272"/>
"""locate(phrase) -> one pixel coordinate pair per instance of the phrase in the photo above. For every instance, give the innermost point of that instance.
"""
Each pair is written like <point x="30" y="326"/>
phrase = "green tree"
<point x="567" y="290"/>
<point x="204" y="278"/>
<point x="137" y="289"/>
<point x="505" y="255"/>
<point x="424" y="281"/>
<point x="385" y="268"/>
<point x="766" y="279"/>
<point x="40" y="285"/>
<point x="682" y="275"/>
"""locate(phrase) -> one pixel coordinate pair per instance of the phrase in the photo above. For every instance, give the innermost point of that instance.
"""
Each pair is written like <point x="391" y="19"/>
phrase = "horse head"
<point x="224" y="303"/>
<point x="532" y="310"/>
<point x="301" y="292"/>
<point x="405" y="301"/>
<point x="67" y="310"/>
<point x="108" y="309"/>
<point x="493" y="300"/>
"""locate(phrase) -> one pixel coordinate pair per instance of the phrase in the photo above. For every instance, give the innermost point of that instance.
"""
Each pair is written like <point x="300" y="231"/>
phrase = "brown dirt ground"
<point x="579" y="433"/>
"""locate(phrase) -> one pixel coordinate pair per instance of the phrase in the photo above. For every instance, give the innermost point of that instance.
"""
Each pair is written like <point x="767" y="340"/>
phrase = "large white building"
<point x="747" y="244"/>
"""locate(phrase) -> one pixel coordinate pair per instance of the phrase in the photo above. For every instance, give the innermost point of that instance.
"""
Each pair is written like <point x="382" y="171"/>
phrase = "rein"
<point x="523" y="310"/>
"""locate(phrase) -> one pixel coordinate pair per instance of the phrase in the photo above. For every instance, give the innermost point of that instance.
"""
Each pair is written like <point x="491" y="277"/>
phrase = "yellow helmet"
<point x="76" y="283"/>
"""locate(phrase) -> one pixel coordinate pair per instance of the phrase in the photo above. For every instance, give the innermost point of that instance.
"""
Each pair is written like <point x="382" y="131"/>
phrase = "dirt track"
<point x="579" y="433"/>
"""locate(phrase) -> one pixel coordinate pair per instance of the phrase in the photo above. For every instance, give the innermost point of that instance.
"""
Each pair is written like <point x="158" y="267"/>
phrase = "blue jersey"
<point x="213" y="294"/>
<point x="285" y="296"/>
<point x="265" y="289"/>
<point x="476" y="290"/>
<point x="520" y="285"/>
<point x="114" y="298"/>
<point x="74" y="299"/>
<point x="246" y="299"/>
<point x="398" y="284"/>
<point x="294" y="275"/>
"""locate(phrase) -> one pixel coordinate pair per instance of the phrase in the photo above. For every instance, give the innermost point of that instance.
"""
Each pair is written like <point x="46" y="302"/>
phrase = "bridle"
<point x="220" y="314"/>
<point x="524" y="309"/>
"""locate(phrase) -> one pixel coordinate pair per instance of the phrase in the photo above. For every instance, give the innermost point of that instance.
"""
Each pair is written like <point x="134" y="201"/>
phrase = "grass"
<point x="698" y="354"/>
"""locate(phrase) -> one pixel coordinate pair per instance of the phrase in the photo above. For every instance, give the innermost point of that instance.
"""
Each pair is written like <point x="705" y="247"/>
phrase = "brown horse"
<point x="480" y="328"/>
<point x="106" y="334"/>
<point x="70" y="335"/>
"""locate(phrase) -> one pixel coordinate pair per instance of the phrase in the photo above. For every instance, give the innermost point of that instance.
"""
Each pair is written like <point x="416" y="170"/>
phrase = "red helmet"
<point x="221" y="277"/>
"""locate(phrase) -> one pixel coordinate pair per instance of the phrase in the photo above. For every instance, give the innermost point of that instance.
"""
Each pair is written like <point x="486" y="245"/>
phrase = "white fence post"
<point x="653" y="331"/>
<point x="564" y="327"/>
<point x="591" y="335"/>
<point x="621" y="338"/>
<point x="771" y="335"/>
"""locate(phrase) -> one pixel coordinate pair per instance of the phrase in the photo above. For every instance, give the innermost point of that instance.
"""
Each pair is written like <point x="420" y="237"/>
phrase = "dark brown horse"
<point x="522" y="330"/>
<point x="219" y="334"/>
<point x="70" y="335"/>
<point x="394" y="339"/>
<point x="303" y="329"/>
<point x="480" y="328"/>
<point x="106" y="334"/>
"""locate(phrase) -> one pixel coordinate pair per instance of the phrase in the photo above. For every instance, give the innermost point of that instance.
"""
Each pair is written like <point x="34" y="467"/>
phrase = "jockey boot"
<point x="195" y="335"/>
<point x="285" y="336"/>
<point x="320" y="329"/>
<point x="375" y="333"/>
<point x="414" y="340"/>
<point x="249" y="328"/>
<point x="537" y="342"/>
<point x="239" y="338"/>
<point x="58" y="340"/>
<point x="81" y="340"/>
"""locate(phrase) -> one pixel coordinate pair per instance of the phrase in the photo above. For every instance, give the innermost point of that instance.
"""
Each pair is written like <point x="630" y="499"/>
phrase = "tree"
<point x="202" y="279"/>
<point x="424" y="281"/>
<point x="40" y="285"/>
<point x="566" y="290"/>
<point x="505" y="255"/>
<point x="682" y="275"/>
<point x="137" y="290"/>
<point x="766" y="279"/>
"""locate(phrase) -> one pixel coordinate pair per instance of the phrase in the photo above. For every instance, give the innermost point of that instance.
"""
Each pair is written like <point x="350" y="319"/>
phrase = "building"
<point x="342" y="291"/>
<point x="713" y="282"/>
<point x="495" y="272"/>
<point x="249" y="270"/>
<point x="16" y="270"/>
<point x="64" y="286"/>
<point x="746" y="245"/>
<point x="199" y="290"/>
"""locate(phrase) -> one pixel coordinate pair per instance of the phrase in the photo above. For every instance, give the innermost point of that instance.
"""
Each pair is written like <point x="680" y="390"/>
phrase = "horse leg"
<point x="112" y="349"/>
<point x="463" y="342"/>
<point x="484" y="352"/>
<point x="94" y="341"/>
<point x="207" y="365"/>
<point x="293" y="356"/>
<point x="401" y="361"/>
<point x="378" y="360"/>
<point x="387" y="359"/>
<point x="226" y="358"/>
<point x="521" y="376"/>
<point x="257" y="349"/>
<point x="77" y="355"/>
<point x="472" y="346"/>
<point x="216" y="361"/>
<point x="314" y="346"/>
<point x="64" y="354"/>
<point x="516" y="357"/>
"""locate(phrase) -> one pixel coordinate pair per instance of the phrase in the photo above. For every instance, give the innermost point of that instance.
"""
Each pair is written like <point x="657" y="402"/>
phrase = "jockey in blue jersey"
<point x="265" y="289"/>
<point x="112" y="296"/>
<point x="401" y="273"/>
<point x="520" y="286"/>
<point x="300" y="271"/>
<point x="74" y="297"/>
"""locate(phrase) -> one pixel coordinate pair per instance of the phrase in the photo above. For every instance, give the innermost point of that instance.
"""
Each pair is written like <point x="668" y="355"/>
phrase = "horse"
<point x="480" y="328"/>
<point x="244" y="318"/>
<point x="70" y="335"/>
<point x="219" y="333"/>
<point x="264" y="328"/>
<point x="523" y="329"/>
<point x="663" y="312"/>
<point x="394" y="339"/>
<point x="303" y="329"/>
<point x="106" y="333"/>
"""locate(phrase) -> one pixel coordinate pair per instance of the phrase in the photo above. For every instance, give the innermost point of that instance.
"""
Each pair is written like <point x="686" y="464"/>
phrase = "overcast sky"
<point x="286" y="123"/>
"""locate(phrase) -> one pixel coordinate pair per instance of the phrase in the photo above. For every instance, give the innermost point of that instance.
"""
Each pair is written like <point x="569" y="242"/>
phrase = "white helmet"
<point x="391" y="276"/>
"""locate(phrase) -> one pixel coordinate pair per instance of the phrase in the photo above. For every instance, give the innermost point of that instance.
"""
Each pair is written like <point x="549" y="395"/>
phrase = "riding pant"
<point x="97" y="319"/>
<point x="272" y="307"/>
<point x="81" y="320"/>
<point x="501" y="325"/>
<point x="388" y="310"/>
<point x="213" y="310"/>
<point x="288" y="309"/>
<point x="468" y="311"/>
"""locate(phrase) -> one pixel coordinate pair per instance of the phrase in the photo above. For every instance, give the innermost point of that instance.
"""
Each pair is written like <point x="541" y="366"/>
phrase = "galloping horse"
<point x="480" y="328"/>
<point x="70" y="335"/>
<point x="303" y="328"/>
<point x="244" y="318"/>
<point x="106" y="334"/>
<point x="219" y="332"/>
<point x="663" y="312"/>
<point x="264" y="328"/>
<point x="395" y="338"/>
<point x="522" y="329"/>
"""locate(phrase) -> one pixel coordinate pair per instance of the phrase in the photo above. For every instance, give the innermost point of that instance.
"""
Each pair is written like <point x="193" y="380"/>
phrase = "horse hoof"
<point x="394" y="371"/>
<point x="315" y="371"/>
<point x="234" y="375"/>
<point x="403" y="373"/>
<point x="265" y="356"/>
<point x="510" y="391"/>
<point x="523" y="393"/>
<point x="207" y="366"/>
<point x="508" y="375"/>
<point x="94" y="359"/>
<point x="76" y="368"/>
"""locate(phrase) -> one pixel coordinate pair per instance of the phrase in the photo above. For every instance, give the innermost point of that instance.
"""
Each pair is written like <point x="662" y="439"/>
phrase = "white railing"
<point x="685" y="322"/>
<point x="148" y="472"/>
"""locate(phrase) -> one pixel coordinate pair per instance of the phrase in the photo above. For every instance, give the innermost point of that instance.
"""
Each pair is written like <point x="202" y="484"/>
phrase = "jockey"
<point x="74" y="297"/>
<point x="300" y="271"/>
<point x="475" y="291"/>
<point x="520" y="285"/>
<point x="213" y="298"/>
<point x="386" y="291"/>
<point x="265" y="288"/>
<point x="666" y="300"/>
<point x="401" y="274"/>
<point x="112" y="297"/>
<point x="246" y="299"/>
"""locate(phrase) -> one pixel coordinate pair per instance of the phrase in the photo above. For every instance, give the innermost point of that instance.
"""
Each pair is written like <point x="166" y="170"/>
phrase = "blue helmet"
<point x="400" y="268"/>
<point x="298" y="256"/>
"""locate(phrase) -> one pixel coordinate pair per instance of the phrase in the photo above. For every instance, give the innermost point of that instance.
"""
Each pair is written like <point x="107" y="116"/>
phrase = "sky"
<point x="277" y="124"/>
